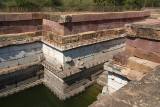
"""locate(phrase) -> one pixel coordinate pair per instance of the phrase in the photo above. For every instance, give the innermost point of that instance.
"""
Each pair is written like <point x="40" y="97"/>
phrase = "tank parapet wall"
<point x="79" y="23"/>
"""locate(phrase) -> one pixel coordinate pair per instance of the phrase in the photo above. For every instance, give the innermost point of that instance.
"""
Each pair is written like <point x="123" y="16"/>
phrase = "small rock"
<point x="68" y="59"/>
<point x="79" y="64"/>
<point x="105" y="90"/>
<point x="59" y="67"/>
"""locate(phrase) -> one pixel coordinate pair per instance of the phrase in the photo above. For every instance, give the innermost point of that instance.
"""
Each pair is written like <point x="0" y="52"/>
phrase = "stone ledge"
<point x="108" y="15"/>
<point x="21" y="41"/>
<point x="70" y="94"/>
<point x="68" y="46"/>
<point x="141" y="53"/>
<point x="19" y="36"/>
<point x="60" y="18"/>
<point x="148" y="29"/>
<point x="141" y="65"/>
<point x="74" y="17"/>
<point x="148" y="45"/>
<point x="20" y="88"/>
<point x="83" y="36"/>
<point x="74" y="70"/>
<point x="20" y="67"/>
<point x="19" y="16"/>
<point x="123" y="71"/>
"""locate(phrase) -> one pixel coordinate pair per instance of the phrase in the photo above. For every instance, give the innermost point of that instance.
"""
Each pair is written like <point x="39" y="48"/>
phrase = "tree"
<point x="152" y="2"/>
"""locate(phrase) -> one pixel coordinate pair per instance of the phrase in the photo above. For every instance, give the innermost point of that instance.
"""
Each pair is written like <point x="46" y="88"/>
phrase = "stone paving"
<point x="143" y="93"/>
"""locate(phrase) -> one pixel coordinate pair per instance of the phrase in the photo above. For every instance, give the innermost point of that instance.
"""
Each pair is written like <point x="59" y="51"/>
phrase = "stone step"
<point x="101" y="82"/>
<point x="103" y="78"/>
<point x="105" y="73"/>
<point x="141" y="65"/>
<point x="124" y="71"/>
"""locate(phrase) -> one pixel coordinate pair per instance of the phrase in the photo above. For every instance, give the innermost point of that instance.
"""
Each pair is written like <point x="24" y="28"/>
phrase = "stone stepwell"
<point x="67" y="52"/>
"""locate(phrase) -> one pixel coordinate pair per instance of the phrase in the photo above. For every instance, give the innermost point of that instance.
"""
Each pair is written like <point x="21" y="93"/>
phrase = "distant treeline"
<point x="79" y="3"/>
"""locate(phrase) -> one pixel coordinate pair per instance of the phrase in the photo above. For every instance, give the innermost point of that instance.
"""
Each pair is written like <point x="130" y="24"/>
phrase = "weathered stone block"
<point x="4" y="50"/>
<point x="3" y="65"/>
<point x="120" y="58"/>
<point x="30" y="80"/>
<point x="24" y="60"/>
<point x="79" y="64"/>
<point x="12" y="63"/>
<point x="141" y="65"/>
<point x="38" y="50"/>
<point x="29" y="52"/>
<point x="2" y="17"/>
<point x="147" y="45"/>
<point x="125" y="71"/>
<point x="105" y="90"/>
<point x="141" y="53"/>
<point x="88" y="59"/>
<point x="15" y="48"/>
<point x="26" y="16"/>
<point x="41" y="57"/>
<point x="33" y="58"/>
<point x="16" y="55"/>
<point x="12" y="17"/>
<point x="4" y="57"/>
<point x="68" y="59"/>
<point x="146" y="29"/>
<point x="8" y="87"/>
<point x="37" y="15"/>
<point x="134" y="75"/>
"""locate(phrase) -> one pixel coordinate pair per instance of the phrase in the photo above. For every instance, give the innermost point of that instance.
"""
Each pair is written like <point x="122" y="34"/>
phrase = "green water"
<point x="41" y="96"/>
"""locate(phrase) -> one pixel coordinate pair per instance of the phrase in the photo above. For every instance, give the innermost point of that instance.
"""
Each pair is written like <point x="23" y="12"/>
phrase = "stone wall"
<point x="20" y="22"/>
<point x="16" y="55"/>
<point x="115" y="82"/>
<point x="19" y="66"/>
<point x="20" y="77"/>
<point x="92" y="52"/>
<point x="68" y="59"/>
<point x="71" y="85"/>
<point x="80" y="23"/>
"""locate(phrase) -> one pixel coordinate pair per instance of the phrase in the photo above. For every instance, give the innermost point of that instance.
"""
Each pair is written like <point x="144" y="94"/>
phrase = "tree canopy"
<point x="76" y="3"/>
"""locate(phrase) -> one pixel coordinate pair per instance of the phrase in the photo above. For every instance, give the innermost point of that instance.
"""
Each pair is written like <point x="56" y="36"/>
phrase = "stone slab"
<point x="148" y="29"/>
<point x="134" y="75"/>
<point x="141" y="53"/>
<point x="30" y="80"/>
<point x="148" y="45"/>
<point x="141" y="65"/>
<point x="108" y="15"/>
<point x="24" y="60"/>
